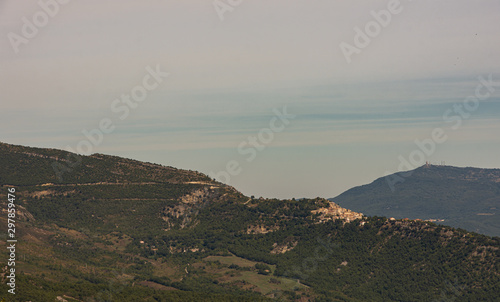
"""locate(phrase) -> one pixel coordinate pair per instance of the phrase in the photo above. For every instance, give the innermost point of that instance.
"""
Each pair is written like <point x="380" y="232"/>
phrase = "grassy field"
<point x="228" y="260"/>
<point x="264" y="284"/>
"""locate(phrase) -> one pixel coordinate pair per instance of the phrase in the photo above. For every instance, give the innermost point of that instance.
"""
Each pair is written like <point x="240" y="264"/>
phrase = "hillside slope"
<point x="114" y="229"/>
<point x="467" y="198"/>
<point x="30" y="166"/>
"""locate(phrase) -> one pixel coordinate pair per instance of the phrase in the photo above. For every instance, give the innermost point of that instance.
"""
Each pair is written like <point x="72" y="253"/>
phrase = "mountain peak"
<point x="463" y="197"/>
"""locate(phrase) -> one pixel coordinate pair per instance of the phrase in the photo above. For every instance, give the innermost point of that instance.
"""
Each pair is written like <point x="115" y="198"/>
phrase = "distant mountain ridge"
<point x="467" y="198"/>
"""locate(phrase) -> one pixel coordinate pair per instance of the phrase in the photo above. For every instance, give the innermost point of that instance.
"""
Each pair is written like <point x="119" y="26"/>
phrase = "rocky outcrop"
<point x="261" y="229"/>
<point x="285" y="247"/>
<point x="184" y="213"/>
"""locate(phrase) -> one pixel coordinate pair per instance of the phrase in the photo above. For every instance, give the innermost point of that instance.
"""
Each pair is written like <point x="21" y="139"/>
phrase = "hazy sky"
<point x="233" y="63"/>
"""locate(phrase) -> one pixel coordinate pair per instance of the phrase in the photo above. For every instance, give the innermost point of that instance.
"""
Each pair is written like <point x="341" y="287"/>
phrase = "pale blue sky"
<point x="226" y="77"/>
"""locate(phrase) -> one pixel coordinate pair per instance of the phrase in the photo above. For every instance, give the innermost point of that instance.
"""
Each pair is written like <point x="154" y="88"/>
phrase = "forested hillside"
<point x="113" y="229"/>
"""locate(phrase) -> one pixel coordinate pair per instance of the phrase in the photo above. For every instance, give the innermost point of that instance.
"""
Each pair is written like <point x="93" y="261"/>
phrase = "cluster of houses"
<point x="334" y="212"/>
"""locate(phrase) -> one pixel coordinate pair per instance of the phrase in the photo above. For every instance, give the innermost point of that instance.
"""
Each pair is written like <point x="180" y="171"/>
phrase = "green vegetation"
<point x="142" y="237"/>
<point x="465" y="198"/>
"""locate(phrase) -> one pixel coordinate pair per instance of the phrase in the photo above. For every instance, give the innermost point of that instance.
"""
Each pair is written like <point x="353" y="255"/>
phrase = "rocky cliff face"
<point x="185" y="211"/>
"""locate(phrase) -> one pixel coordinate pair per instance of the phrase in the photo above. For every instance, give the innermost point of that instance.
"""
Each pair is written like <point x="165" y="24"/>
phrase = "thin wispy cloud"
<point x="227" y="77"/>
